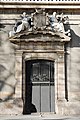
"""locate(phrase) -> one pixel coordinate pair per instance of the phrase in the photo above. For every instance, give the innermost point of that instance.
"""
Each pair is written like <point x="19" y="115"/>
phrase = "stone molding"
<point x="39" y="4"/>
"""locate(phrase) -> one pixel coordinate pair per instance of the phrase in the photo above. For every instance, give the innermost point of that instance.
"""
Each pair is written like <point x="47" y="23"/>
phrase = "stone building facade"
<point x="39" y="63"/>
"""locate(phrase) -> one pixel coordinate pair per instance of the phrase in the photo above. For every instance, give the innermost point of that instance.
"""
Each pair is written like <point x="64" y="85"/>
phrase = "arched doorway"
<point x="39" y="86"/>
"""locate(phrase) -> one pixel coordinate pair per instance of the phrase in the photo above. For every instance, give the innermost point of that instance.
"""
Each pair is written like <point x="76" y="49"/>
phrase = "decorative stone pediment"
<point x="40" y="41"/>
<point x="40" y="31"/>
<point x="44" y="36"/>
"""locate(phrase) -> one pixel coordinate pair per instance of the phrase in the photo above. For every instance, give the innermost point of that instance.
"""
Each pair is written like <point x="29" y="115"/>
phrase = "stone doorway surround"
<point x="45" y="50"/>
<point x="40" y="44"/>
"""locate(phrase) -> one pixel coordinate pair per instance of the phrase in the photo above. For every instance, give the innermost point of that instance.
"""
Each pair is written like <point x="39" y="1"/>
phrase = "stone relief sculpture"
<point x="40" y="20"/>
<point x="56" y="22"/>
<point x="24" y="24"/>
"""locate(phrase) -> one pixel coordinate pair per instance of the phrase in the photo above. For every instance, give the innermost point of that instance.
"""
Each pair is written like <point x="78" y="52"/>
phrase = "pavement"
<point x="38" y="117"/>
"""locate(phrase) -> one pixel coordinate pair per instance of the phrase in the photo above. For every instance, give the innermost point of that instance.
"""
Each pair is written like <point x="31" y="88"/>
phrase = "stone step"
<point x="40" y="117"/>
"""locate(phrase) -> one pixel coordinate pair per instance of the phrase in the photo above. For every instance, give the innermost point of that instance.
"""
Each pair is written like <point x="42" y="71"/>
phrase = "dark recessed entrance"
<point x="39" y="86"/>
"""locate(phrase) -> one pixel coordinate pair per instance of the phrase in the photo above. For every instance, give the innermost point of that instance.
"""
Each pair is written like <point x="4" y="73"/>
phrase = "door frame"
<point x="25" y="58"/>
<point x="29" y="86"/>
<point x="58" y="66"/>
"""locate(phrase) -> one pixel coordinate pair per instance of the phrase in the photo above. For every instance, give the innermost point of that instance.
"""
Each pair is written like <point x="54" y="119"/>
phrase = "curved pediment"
<point x="44" y="36"/>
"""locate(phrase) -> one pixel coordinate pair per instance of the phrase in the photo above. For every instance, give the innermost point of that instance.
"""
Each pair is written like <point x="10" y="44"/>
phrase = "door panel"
<point x="45" y="107"/>
<point x="52" y="99"/>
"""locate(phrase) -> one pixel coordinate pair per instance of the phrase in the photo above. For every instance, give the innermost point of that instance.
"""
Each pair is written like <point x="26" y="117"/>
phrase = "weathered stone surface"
<point x="11" y="107"/>
<point x="11" y="83"/>
<point x="7" y="79"/>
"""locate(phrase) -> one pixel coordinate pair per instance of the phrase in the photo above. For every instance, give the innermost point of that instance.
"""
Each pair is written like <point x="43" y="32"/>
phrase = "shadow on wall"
<point x="2" y="26"/>
<point x="7" y="81"/>
<point x="4" y="81"/>
<point x="2" y="69"/>
<point x="75" y="40"/>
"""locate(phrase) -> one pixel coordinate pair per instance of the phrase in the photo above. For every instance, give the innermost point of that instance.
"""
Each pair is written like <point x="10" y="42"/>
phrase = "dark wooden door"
<point x="40" y="94"/>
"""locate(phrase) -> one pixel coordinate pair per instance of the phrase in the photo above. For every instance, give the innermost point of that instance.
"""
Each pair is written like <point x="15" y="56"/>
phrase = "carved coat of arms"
<point x="39" y="19"/>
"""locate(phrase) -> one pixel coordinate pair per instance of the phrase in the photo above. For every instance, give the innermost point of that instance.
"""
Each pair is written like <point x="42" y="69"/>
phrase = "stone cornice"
<point x="39" y="4"/>
<point x="33" y="37"/>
